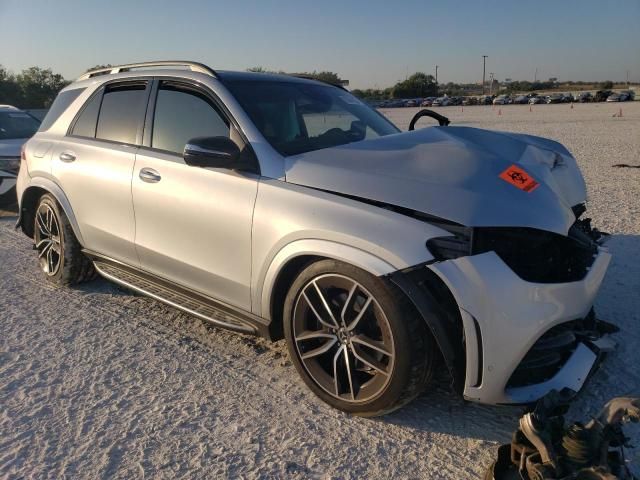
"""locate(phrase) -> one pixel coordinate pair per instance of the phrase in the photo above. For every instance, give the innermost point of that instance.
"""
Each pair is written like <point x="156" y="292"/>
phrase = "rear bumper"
<point x="504" y="317"/>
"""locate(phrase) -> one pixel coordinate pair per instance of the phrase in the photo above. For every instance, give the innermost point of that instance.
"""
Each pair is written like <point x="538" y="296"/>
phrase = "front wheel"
<point x="356" y="340"/>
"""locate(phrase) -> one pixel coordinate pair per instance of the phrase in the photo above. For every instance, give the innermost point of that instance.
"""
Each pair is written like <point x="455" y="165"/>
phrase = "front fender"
<point x="48" y="185"/>
<point x="322" y="248"/>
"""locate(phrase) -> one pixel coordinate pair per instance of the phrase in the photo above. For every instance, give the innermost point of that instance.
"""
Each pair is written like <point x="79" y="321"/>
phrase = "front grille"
<point x="552" y="350"/>
<point x="540" y="256"/>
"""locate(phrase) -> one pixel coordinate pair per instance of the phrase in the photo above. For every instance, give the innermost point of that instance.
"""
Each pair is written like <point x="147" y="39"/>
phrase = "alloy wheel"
<point x="47" y="240"/>
<point x="343" y="338"/>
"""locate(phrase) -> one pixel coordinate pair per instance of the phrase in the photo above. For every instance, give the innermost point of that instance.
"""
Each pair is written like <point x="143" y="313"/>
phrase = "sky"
<point x="372" y="43"/>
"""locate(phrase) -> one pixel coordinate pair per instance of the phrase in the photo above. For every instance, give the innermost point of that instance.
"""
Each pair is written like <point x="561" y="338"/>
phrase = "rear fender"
<point x="27" y="205"/>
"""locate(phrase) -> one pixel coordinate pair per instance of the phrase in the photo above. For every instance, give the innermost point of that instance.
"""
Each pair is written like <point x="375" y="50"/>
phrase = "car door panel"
<point x="94" y="164"/>
<point x="193" y="226"/>
<point x="98" y="185"/>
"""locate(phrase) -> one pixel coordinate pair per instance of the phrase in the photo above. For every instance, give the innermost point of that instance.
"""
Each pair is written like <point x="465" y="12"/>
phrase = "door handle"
<point x="67" y="157"/>
<point x="149" y="175"/>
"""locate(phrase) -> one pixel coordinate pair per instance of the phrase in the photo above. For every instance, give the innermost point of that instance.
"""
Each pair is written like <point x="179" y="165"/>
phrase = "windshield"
<point x="298" y="117"/>
<point x="17" y="124"/>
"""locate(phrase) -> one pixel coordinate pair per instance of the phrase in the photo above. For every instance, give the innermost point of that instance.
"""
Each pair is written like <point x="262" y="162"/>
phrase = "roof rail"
<point x="193" y="66"/>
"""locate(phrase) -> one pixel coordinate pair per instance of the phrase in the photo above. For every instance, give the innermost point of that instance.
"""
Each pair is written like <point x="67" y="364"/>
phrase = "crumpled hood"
<point x="452" y="173"/>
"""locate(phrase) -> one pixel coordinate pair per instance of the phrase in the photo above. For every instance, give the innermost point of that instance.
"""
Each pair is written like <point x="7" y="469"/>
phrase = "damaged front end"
<point x="534" y="255"/>
<point x="523" y="301"/>
<point x="544" y="448"/>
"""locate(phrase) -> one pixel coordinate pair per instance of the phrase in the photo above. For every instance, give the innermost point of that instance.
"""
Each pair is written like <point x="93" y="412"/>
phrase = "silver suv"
<point x="285" y="207"/>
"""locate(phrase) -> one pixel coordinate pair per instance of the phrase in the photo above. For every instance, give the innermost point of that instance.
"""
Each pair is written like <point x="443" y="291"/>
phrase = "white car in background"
<point x="16" y="127"/>
<point x="441" y="102"/>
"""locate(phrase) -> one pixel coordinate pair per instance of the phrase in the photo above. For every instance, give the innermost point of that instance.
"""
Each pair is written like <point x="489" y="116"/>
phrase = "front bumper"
<point x="503" y="317"/>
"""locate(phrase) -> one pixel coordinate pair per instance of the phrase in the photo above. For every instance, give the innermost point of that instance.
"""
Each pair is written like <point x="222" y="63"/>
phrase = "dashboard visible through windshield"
<point x="298" y="117"/>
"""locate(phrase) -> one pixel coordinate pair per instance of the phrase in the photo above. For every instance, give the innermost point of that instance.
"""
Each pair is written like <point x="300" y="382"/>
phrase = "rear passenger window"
<point x="121" y="113"/>
<point x="182" y="114"/>
<point x="85" y="125"/>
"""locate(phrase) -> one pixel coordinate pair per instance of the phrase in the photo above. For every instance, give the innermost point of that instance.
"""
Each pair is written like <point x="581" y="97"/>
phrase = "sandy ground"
<point x="98" y="383"/>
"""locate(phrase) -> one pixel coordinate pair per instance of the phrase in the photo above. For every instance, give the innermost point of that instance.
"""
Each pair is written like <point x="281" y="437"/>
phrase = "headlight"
<point x="540" y="256"/>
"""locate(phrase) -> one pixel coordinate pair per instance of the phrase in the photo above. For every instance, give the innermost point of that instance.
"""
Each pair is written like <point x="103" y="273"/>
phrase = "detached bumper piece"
<point x="564" y="357"/>
<point x="543" y="447"/>
<point x="553" y="350"/>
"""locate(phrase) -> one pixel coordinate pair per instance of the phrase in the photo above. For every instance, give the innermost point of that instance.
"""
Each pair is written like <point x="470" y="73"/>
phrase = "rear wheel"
<point x="59" y="252"/>
<point x="355" y="339"/>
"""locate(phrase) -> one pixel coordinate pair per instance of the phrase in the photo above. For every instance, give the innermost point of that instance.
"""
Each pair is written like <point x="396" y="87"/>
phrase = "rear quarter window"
<point x="85" y="124"/>
<point x="60" y="104"/>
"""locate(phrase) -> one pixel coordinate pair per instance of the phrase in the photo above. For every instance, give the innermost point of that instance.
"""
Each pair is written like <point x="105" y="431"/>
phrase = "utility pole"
<point x="535" y="76"/>
<point x="484" y="64"/>
<point x="437" y="74"/>
<point x="491" y="84"/>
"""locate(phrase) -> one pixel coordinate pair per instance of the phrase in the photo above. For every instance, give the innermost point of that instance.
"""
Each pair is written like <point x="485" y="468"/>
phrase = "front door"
<point x="193" y="225"/>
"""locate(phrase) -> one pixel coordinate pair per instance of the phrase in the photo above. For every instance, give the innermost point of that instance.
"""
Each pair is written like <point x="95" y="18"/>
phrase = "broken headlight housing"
<point x="537" y="255"/>
<point x="534" y="255"/>
<point x="450" y="247"/>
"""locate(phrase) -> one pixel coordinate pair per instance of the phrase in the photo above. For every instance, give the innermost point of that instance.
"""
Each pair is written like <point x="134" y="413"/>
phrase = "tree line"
<point x="32" y="88"/>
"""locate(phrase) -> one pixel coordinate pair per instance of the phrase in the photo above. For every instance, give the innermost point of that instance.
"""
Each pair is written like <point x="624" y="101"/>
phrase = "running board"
<point x="193" y="303"/>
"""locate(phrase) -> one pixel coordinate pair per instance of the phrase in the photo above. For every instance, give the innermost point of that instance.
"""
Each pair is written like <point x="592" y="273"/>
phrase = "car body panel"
<point x="194" y="226"/>
<point x="25" y="183"/>
<point x="98" y="185"/>
<point x="512" y="315"/>
<point x="452" y="173"/>
<point x="288" y="216"/>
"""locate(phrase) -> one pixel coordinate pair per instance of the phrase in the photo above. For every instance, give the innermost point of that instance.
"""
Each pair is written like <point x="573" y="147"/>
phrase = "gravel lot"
<point x="98" y="383"/>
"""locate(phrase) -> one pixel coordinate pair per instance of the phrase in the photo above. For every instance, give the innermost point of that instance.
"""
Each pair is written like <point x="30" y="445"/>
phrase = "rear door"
<point x="94" y="165"/>
<point x="193" y="225"/>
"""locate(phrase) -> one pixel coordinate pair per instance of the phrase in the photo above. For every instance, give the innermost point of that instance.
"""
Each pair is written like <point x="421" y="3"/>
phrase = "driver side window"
<point x="182" y="114"/>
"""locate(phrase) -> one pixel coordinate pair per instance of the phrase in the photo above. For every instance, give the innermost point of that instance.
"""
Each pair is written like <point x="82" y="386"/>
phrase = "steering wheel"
<point x="442" y="120"/>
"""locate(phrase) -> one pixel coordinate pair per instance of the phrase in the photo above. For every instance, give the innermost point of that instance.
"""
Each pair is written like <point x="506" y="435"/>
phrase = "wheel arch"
<point x="274" y="283"/>
<point x="29" y="202"/>
<point x="436" y="304"/>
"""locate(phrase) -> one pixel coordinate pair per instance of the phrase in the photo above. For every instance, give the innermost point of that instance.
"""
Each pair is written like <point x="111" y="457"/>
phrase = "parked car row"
<point x="505" y="99"/>
<point x="16" y="126"/>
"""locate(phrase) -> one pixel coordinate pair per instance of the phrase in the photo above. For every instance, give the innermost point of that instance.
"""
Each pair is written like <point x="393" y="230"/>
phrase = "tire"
<point x="59" y="252"/>
<point x="369" y="352"/>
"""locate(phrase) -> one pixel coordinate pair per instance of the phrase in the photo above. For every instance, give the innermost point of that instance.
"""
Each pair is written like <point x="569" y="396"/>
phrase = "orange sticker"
<point x="519" y="178"/>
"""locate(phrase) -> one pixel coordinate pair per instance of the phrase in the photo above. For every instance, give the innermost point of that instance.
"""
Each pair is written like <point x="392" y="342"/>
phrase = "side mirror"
<point x="216" y="152"/>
